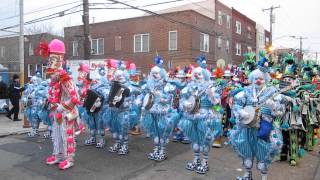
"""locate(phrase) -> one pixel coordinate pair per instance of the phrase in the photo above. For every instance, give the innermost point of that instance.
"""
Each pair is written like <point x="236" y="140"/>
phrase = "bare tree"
<point x="39" y="28"/>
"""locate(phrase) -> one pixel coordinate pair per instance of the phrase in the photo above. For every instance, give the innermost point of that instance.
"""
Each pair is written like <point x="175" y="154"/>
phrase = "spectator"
<point x="14" y="94"/>
<point x="3" y="95"/>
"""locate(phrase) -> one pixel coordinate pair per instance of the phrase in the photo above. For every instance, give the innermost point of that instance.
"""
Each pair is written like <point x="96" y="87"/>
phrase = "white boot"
<point x="264" y="176"/>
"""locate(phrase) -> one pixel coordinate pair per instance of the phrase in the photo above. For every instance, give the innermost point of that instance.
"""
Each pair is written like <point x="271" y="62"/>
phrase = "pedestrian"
<point x="14" y="93"/>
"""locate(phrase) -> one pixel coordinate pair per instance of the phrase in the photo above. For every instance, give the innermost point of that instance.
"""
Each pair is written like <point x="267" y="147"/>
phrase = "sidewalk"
<point x="9" y="127"/>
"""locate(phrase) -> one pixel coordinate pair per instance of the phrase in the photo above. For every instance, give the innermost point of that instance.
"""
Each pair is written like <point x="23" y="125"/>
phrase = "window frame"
<point x="31" y="49"/>
<point x="238" y="27"/>
<point x="227" y="45"/>
<point x="75" y="53"/>
<point x="238" y="54"/>
<point x="28" y="68"/>
<point x="220" y="18"/>
<point x="97" y="52"/>
<point x="219" y="42"/>
<point x="141" y="42"/>
<point x="176" y="42"/>
<point x="205" y="37"/>
<point x="228" y="22"/>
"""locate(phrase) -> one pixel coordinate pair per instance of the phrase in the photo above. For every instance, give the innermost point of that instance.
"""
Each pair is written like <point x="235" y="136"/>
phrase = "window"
<point x="204" y="42"/>
<point x="267" y="40"/>
<point x="43" y="68"/>
<point x="249" y="49"/>
<point x="227" y="45"/>
<point x="219" y="17"/>
<point x="117" y="43"/>
<point x="141" y="42"/>
<point x="238" y="49"/>
<point x="219" y="43"/>
<point x="238" y="27"/>
<point x="31" y="50"/>
<point x="97" y="46"/>
<point x="173" y="40"/>
<point x="30" y="70"/>
<point x="75" y="48"/>
<point x="249" y="32"/>
<point x="2" y="50"/>
<point x="228" y="21"/>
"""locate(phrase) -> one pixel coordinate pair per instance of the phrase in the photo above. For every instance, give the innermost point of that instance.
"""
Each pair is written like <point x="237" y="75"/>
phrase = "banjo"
<point x="253" y="111"/>
<point x="192" y="104"/>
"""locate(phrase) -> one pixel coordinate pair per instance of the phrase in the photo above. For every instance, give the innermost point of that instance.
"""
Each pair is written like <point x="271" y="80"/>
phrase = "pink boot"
<point x="65" y="164"/>
<point x="52" y="160"/>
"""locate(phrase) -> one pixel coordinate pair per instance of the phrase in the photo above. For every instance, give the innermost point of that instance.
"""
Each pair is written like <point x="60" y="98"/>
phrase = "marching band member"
<point x="256" y="139"/>
<point x="180" y="83"/>
<point x="63" y="99"/>
<point x="31" y="102"/>
<point x="156" y="111"/>
<point x="200" y="122"/>
<point x="120" y="103"/>
<point x="96" y="104"/>
<point x="83" y="85"/>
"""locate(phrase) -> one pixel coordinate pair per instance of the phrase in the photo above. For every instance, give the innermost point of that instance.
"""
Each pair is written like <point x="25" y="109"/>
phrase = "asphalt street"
<point x="23" y="158"/>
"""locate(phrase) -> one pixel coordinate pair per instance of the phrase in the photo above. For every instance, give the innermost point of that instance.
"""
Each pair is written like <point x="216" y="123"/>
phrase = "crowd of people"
<point x="265" y="110"/>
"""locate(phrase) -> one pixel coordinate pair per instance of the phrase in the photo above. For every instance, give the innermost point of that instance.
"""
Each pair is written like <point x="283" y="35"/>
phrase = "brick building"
<point x="9" y="54"/>
<point x="32" y="62"/>
<point x="223" y="27"/>
<point x="243" y="36"/>
<point x="179" y="37"/>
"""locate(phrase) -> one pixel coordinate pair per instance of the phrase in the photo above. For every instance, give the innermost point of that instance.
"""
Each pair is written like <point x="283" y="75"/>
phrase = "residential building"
<point x="243" y="36"/>
<point x="260" y="39"/>
<point x="223" y="28"/>
<point x="9" y="54"/>
<point x="179" y="37"/>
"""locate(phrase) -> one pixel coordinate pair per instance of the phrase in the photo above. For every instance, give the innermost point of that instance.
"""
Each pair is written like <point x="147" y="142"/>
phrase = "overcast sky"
<point x="294" y="17"/>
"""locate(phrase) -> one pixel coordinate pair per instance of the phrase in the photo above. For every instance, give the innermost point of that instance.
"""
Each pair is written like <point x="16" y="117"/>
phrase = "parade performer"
<point x="62" y="100"/>
<point x="96" y="105"/>
<point x="31" y="102"/>
<point x="291" y="120"/>
<point x="254" y="135"/>
<point x="155" y="118"/>
<point x="304" y="92"/>
<point x="180" y="82"/>
<point x="120" y="103"/>
<point x="201" y="120"/>
<point x="226" y="81"/>
<point x="83" y="85"/>
<point x="44" y="111"/>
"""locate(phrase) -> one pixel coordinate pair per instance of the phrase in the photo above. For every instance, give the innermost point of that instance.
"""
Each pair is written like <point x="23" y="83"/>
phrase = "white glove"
<point x="243" y="114"/>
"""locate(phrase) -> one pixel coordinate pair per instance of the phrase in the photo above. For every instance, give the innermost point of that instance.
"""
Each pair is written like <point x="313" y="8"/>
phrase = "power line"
<point x="44" y="18"/>
<point x="40" y="10"/>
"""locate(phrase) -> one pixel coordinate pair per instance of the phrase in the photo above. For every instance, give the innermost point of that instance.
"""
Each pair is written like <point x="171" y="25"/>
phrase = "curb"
<point x="20" y="132"/>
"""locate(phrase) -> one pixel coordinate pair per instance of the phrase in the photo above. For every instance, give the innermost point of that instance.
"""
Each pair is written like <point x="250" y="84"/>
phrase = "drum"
<point x="148" y="101"/>
<point x="92" y="100"/>
<point x="117" y="94"/>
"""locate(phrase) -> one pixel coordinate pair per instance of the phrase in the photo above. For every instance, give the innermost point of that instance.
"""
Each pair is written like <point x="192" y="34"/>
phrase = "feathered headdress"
<point x="263" y="63"/>
<point x="158" y="61"/>
<point x="290" y="67"/>
<point x="202" y="61"/>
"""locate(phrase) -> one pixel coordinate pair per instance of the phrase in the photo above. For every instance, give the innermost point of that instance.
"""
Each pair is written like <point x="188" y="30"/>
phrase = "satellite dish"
<point x="221" y="63"/>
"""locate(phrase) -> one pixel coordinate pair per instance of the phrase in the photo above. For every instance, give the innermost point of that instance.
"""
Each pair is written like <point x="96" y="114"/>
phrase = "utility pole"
<point x="272" y="20"/>
<point x="86" y="30"/>
<point x="300" y="50"/>
<point x="21" y="54"/>
<point x="21" y="42"/>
